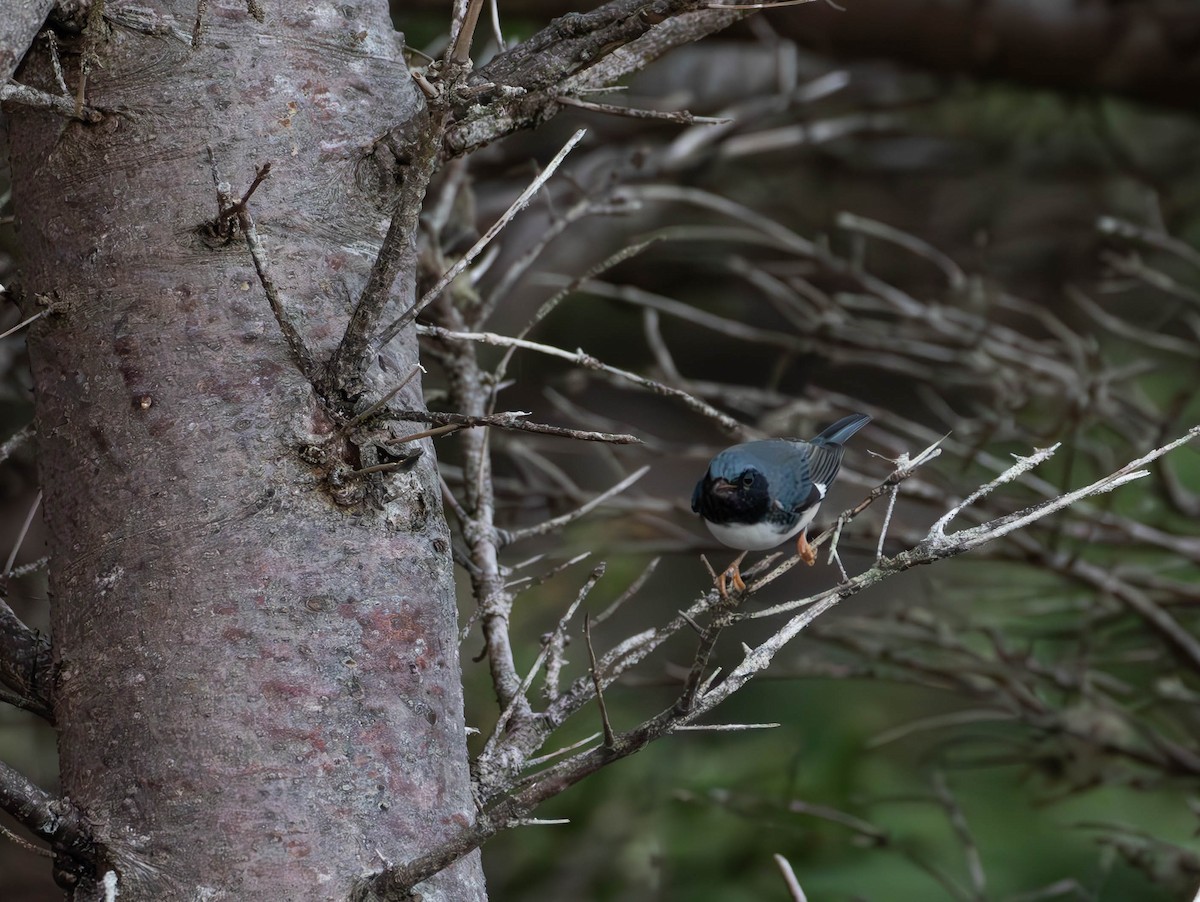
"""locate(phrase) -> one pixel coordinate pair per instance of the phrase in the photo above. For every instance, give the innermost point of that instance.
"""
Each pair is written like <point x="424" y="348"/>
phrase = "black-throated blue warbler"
<point x="758" y="494"/>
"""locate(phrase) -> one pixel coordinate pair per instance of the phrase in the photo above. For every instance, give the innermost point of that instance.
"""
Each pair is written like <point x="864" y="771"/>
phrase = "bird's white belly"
<point x="758" y="536"/>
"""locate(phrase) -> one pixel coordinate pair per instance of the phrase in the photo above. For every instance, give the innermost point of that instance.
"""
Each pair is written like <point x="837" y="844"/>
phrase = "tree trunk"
<point x="258" y="688"/>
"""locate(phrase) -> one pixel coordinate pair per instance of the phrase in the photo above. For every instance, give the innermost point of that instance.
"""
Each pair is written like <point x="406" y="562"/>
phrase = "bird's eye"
<point x="747" y="480"/>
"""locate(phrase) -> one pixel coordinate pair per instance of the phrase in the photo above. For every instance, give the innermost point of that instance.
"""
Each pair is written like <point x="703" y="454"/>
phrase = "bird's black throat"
<point x="742" y="504"/>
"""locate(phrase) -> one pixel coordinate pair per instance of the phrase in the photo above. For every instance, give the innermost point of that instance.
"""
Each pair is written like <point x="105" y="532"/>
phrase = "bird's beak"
<point x="723" y="487"/>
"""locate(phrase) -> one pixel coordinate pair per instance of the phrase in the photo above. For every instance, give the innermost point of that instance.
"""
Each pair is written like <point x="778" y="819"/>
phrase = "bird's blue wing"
<point x="824" y="461"/>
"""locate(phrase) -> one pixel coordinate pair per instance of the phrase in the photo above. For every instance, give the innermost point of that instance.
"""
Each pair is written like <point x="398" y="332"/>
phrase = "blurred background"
<point x="977" y="219"/>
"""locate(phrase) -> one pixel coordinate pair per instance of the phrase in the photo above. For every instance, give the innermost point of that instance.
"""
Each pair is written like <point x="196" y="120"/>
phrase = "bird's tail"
<point x="842" y="429"/>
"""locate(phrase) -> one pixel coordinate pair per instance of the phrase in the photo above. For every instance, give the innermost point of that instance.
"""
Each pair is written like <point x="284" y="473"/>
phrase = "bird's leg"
<point x="807" y="553"/>
<point x="732" y="571"/>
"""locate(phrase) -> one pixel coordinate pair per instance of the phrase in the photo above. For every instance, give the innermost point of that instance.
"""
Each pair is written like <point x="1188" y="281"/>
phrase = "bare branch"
<point x="460" y="47"/>
<point x="14" y="92"/>
<point x="23" y="323"/>
<point x="727" y="424"/>
<point x="609" y="737"/>
<point x="49" y="818"/>
<point x="513" y="420"/>
<point x="300" y="353"/>
<point x="12" y="556"/>
<point x="557" y="523"/>
<point x="789" y="878"/>
<point x="1154" y="238"/>
<point x="577" y="42"/>
<point x="679" y="117"/>
<point x="15" y="441"/>
<point x="955" y="277"/>
<point x="578" y="211"/>
<point x="971" y="538"/>
<point x="25" y="663"/>
<point x="484" y="240"/>
<point x="348" y="363"/>
<point x="962" y="830"/>
<point x="576" y="55"/>
<point x="634" y="588"/>
<point x="550" y="655"/>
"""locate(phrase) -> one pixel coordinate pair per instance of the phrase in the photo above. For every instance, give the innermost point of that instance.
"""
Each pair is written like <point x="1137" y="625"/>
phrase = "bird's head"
<point x="734" y="488"/>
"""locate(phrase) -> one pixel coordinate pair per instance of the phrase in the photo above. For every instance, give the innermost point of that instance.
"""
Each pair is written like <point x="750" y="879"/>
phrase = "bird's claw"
<point x="807" y="552"/>
<point x="739" y="585"/>
<point x="733" y="573"/>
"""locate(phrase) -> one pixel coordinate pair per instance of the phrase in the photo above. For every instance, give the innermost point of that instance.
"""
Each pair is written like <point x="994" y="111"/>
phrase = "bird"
<point x="758" y="494"/>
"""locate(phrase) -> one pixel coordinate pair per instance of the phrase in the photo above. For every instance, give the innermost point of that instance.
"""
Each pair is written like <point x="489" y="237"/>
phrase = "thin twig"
<point x="16" y="440"/>
<point x="887" y="520"/>
<point x="565" y="750"/>
<point x="773" y="5"/>
<point x="56" y="62"/>
<point x="513" y="420"/>
<point x="300" y="353"/>
<point x="634" y="588"/>
<point x="962" y="830"/>
<point x="550" y="304"/>
<point x="14" y="92"/>
<point x="484" y="240"/>
<point x="448" y="429"/>
<point x="609" y="738"/>
<point x="556" y="523"/>
<point x="789" y="878"/>
<point x="528" y="582"/>
<point x="580" y="210"/>
<point x="496" y="31"/>
<point x="359" y="419"/>
<point x="40" y="851"/>
<point x="460" y="47"/>
<point x="726" y="423"/>
<point x="23" y="323"/>
<point x="548" y="649"/>
<point x="680" y="117"/>
<point x="92" y="31"/>
<point x="1155" y="238"/>
<point x="12" y="556"/>
<point x="235" y="215"/>
<point x="852" y="222"/>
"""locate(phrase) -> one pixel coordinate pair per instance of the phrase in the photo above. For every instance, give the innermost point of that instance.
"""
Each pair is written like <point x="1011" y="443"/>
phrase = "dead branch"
<point x="576" y="54"/>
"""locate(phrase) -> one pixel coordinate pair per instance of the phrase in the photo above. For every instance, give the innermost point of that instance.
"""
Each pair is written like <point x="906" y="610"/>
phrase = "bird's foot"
<point x="735" y="577"/>
<point x="733" y="573"/>
<point x="807" y="553"/>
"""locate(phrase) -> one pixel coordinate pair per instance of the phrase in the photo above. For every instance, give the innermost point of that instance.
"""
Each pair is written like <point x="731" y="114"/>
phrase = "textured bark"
<point x="258" y="691"/>
<point x="18" y="26"/>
